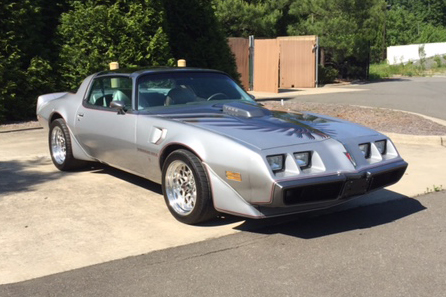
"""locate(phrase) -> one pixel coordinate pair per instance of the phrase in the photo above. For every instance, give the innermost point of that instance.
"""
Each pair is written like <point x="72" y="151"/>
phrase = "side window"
<point x="107" y="89"/>
<point x="152" y="91"/>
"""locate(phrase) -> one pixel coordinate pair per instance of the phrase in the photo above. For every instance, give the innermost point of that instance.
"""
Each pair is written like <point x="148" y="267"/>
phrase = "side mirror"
<point x="119" y="106"/>
<point x="252" y="96"/>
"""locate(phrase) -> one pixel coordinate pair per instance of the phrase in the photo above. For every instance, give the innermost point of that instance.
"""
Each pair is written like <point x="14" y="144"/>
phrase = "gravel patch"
<point x="381" y="119"/>
<point x="20" y="126"/>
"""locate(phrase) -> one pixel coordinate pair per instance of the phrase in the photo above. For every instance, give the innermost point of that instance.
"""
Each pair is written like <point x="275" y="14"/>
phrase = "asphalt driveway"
<point x="424" y="95"/>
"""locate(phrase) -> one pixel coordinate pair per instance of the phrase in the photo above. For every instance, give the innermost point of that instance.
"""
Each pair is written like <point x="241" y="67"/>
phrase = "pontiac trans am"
<point x="212" y="147"/>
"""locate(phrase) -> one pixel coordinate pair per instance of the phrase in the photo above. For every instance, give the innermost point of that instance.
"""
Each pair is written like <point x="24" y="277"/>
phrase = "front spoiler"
<point x="322" y="192"/>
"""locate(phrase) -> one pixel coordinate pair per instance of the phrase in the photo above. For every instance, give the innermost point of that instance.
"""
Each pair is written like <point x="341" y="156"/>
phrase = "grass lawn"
<point x="424" y="67"/>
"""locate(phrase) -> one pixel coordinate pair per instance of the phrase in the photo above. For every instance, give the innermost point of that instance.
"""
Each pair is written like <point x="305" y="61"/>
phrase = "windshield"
<point x="164" y="90"/>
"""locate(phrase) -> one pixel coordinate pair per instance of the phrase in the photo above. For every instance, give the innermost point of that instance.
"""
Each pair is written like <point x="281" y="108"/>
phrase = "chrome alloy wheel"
<point x="180" y="188"/>
<point x="58" y="145"/>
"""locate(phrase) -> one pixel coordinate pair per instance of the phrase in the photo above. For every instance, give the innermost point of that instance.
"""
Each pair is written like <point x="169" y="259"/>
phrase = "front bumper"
<point x="322" y="192"/>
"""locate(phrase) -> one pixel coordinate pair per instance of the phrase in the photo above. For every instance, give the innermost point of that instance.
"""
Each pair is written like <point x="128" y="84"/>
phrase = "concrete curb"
<point x="433" y="140"/>
<point x="416" y="139"/>
<point x="20" y="129"/>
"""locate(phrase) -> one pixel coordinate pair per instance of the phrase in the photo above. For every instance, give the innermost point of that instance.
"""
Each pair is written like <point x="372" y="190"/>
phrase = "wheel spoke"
<point x="181" y="187"/>
<point x="58" y="145"/>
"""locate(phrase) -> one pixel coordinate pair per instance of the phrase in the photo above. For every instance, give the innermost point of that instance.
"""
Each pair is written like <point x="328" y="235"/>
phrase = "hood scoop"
<point x="245" y="110"/>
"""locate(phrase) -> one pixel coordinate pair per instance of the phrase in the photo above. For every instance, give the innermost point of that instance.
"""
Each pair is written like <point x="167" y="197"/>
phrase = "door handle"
<point x="79" y="116"/>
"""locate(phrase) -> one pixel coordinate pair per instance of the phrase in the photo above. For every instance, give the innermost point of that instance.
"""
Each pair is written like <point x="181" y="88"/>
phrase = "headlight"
<point x="365" y="149"/>
<point x="276" y="162"/>
<point x="381" y="146"/>
<point x="303" y="159"/>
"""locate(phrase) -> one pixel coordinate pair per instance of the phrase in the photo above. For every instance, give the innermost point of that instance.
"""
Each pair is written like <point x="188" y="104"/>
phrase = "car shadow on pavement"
<point x="98" y="168"/>
<point x="22" y="176"/>
<point x="376" y="81"/>
<point x="319" y="224"/>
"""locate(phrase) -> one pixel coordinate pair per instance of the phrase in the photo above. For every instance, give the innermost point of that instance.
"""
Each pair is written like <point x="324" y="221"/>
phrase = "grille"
<point x="313" y="193"/>
<point x="387" y="178"/>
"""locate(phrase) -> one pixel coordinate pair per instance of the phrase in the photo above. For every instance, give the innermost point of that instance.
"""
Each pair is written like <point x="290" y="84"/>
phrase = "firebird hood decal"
<point x="275" y="128"/>
<point x="265" y="125"/>
<point x="278" y="129"/>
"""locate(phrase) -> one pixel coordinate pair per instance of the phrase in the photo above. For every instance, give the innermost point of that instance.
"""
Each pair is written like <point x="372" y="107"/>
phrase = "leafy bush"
<point x="327" y="74"/>
<point x="379" y="71"/>
<point x="383" y="70"/>
<point x="94" y="35"/>
<point x="25" y="43"/>
<point x="438" y="60"/>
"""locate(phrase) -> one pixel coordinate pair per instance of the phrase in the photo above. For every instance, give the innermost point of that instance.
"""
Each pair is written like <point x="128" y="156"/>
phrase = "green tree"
<point x="241" y="18"/>
<point x="196" y="35"/>
<point x="425" y="11"/>
<point x="95" y="33"/>
<point x="350" y="31"/>
<point x="430" y="33"/>
<point x="406" y="27"/>
<point x="26" y="49"/>
<point x="401" y="26"/>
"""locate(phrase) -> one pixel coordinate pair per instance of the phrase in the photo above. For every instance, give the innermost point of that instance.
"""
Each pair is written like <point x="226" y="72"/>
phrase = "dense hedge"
<point x="93" y="35"/>
<point x="26" y="49"/>
<point x="49" y="46"/>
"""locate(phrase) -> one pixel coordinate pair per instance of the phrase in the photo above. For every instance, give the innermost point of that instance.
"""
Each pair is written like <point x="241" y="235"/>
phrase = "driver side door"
<point x="105" y="133"/>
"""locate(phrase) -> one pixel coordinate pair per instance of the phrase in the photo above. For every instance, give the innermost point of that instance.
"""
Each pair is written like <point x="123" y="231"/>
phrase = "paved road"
<point x="397" y="248"/>
<point x="425" y="95"/>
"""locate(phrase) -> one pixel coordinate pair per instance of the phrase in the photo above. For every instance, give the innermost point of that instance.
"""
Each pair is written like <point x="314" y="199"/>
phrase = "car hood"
<point x="266" y="129"/>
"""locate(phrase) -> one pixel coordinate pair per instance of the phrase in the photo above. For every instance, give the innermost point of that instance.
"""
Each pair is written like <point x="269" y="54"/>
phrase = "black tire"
<point x="59" y="141"/>
<point x="195" y="199"/>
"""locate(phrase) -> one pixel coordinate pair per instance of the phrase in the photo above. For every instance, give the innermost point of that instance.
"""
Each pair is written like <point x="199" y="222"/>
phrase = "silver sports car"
<point x="212" y="147"/>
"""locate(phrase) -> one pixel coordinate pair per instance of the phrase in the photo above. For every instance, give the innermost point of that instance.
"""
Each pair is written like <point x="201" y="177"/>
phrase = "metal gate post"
<point x="251" y="62"/>
<point x="317" y="61"/>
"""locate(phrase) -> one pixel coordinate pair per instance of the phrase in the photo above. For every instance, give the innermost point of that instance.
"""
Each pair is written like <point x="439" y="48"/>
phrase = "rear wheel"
<point x="186" y="188"/>
<point x="60" y="147"/>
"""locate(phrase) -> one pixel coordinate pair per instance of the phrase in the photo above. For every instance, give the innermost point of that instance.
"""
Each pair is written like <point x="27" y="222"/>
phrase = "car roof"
<point x="141" y="71"/>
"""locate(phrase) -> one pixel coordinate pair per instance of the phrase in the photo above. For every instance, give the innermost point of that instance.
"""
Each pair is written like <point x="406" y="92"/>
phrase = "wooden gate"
<point x="297" y="62"/>
<point x="240" y="49"/>
<point x="285" y="62"/>
<point x="266" y="65"/>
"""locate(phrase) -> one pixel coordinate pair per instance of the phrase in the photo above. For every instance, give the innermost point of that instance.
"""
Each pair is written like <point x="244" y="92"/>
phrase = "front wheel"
<point x="60" y="147"/>
<point x="186" y="188"/>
